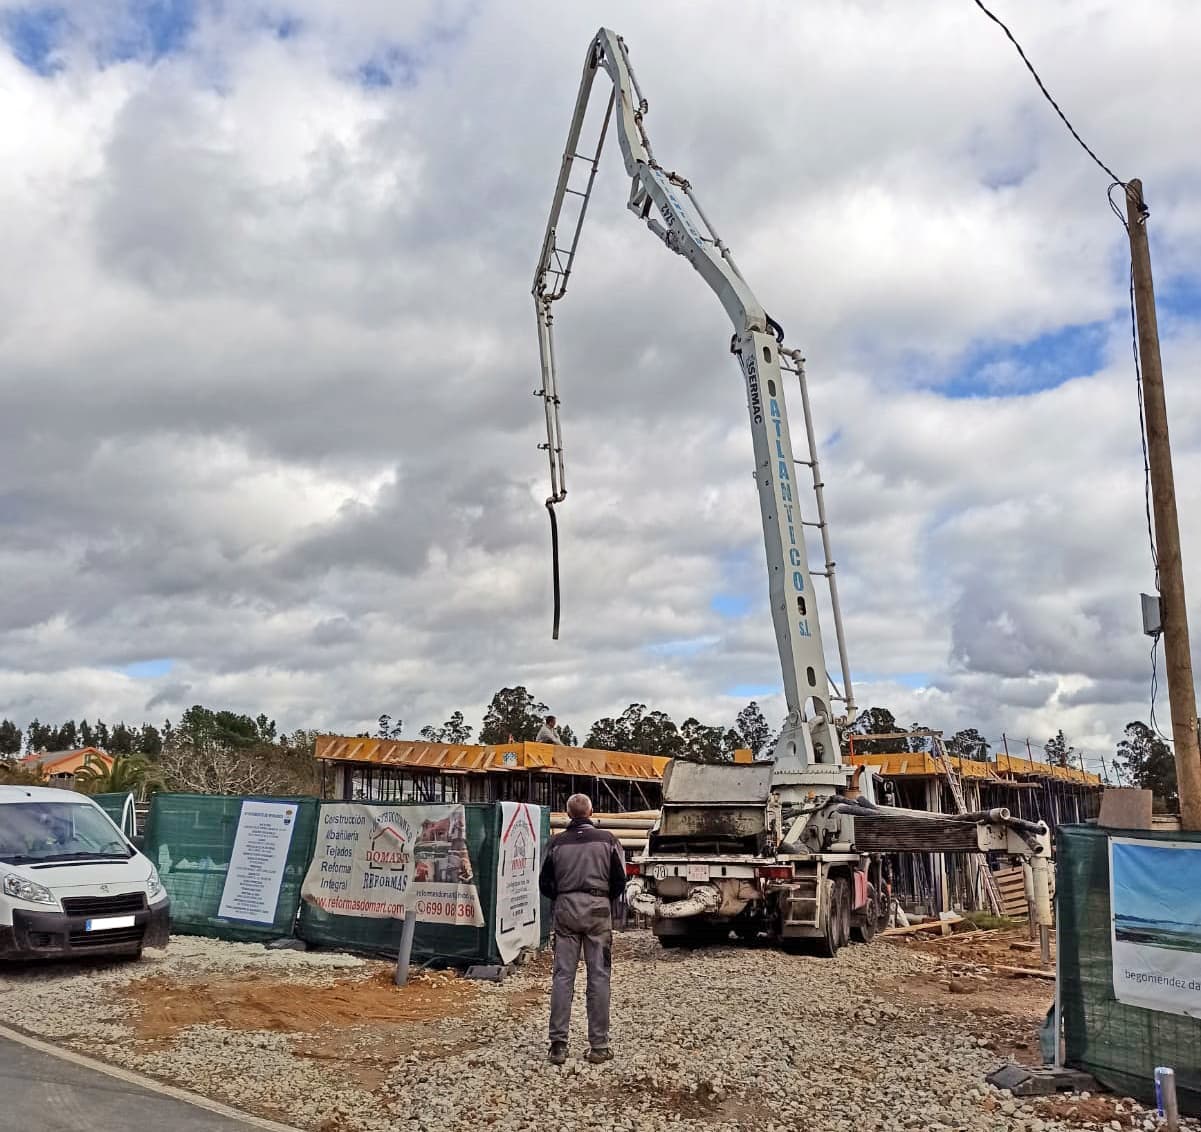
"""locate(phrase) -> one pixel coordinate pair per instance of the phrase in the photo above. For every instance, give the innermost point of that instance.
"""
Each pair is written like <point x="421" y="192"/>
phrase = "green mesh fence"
<point x="1118" y="1044"/>
<point x="119" y="807"/>
<point x="432" y="943"/>
<point x="190" y="839"/>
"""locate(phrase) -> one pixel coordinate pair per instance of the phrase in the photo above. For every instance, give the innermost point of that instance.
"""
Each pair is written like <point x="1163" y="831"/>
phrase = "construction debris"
<point x="927" y="925"/>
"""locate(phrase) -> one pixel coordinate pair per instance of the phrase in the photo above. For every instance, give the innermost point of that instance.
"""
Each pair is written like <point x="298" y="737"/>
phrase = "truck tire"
<point x="842" y="885"/>
<point x="866" y="923"/>
<point x="830" y="940"/>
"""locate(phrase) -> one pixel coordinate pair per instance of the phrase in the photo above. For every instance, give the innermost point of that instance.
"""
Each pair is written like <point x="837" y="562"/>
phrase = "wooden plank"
<point x="1033" y="972"/>
<point x="929" y="925"/>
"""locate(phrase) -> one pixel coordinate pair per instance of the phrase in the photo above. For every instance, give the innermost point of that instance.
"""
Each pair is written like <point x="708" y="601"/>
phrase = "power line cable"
<point x="1047" y="94"/>
<point x="1155" y="690"/>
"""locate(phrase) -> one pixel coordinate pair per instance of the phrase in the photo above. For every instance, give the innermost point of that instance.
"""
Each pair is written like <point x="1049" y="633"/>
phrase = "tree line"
<point x="205" y="751"/>
<point x="514" y="715"/>
<point x="220" y="751"/>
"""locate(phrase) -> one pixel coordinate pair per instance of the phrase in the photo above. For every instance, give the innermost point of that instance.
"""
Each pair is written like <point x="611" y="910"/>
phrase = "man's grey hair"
<point x="579" y="806"/>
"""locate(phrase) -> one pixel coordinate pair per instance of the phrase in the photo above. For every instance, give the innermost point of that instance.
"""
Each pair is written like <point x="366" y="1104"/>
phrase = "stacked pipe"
<point x="630" y="829"/>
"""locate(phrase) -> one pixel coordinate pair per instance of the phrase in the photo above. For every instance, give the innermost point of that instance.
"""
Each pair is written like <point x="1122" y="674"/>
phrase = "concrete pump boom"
<point x="808" y="751"/>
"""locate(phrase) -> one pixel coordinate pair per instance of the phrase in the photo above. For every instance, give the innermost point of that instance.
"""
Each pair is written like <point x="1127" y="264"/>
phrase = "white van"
<point x="70" y="882"/>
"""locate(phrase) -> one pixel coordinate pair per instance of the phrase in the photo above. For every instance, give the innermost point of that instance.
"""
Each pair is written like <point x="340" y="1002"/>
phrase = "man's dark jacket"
<point x="583" y="859"/>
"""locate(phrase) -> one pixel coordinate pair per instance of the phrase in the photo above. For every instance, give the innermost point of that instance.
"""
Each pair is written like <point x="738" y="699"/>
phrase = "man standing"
<point x="583" y="873"/>
<point x="549" y="732"/>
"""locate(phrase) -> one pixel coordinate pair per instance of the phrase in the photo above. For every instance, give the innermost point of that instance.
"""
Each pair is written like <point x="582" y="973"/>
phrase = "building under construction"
<point x="624" y="783"/>
<point x="937" y="782"/>
<point x="394" y="770"/>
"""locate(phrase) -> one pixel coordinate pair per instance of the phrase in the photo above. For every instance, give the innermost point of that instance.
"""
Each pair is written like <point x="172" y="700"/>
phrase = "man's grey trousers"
<point x="582" y="922"/>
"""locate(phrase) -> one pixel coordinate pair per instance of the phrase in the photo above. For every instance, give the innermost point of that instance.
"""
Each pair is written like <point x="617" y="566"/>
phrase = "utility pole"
<point x="1173" y="612"/>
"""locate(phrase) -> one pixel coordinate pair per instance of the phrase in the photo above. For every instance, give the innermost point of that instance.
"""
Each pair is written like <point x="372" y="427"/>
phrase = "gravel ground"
<point x="729" y="1038"/>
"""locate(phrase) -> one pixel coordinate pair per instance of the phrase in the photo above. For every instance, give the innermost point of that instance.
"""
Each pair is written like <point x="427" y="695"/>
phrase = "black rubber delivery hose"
<point x="554" y="563"/>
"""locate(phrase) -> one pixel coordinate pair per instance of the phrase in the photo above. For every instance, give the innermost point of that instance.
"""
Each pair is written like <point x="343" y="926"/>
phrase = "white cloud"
<point x="269" y="345"/>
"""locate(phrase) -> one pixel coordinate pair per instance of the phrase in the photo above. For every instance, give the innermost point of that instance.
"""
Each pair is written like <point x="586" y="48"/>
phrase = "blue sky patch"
<point x="394" y="66"/>
<point x="164" y="28"/>
<point x="34" y="34"/>
<point x="148" y="669"/>
<point x="1013" y="369"/>
<point x="147" y="29"/>
<point x="1179" y="299"/>
<point x="731" y="605"/>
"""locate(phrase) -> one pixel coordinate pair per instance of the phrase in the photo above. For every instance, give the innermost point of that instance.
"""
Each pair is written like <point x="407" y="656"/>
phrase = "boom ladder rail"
<point x="808" y="753"/>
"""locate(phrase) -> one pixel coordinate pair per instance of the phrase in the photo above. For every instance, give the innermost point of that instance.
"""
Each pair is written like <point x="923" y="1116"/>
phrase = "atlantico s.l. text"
<point x="784" y="477"/>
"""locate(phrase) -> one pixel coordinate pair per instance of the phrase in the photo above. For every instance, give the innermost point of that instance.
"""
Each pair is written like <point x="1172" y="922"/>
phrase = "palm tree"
<point x="128" y="774"/>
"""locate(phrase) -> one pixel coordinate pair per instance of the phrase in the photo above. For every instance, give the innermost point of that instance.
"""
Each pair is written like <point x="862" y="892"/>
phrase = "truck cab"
<point x="71" y="883"/>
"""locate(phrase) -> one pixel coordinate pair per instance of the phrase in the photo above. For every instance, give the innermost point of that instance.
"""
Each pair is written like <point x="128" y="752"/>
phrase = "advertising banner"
<point x="1155" y="909"/>
<point x="517" y="865"/>
<point x="377" y="860"/>
<point x="256" y="866"/>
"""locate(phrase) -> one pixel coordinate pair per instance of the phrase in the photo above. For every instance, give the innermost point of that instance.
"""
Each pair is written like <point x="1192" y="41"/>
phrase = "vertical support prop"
<point x="406" y="945"/>
<point x="1041" y="869"/>
<point x="1028" y="886"/>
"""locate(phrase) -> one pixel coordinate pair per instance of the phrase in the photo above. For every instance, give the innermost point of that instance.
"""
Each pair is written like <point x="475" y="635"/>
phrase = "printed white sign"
<point x="1155" y="907"/>
<point x="518" y="910"/>
<point x="373" y="860"/>
<point x="256" y="869"/>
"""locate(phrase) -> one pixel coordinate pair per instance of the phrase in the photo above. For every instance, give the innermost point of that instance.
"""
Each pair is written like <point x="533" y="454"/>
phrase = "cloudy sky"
<point x="266" y="432"/>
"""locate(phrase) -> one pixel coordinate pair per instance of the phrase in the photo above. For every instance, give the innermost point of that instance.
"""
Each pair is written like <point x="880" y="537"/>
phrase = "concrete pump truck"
<point x="794" y="846"/>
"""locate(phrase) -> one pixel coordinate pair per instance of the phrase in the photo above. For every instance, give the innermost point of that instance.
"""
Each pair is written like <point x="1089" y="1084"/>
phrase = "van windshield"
<point x="32" y="832"/>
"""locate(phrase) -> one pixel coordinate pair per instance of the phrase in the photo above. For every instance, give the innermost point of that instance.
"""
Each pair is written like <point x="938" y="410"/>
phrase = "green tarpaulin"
<point x="190" y="839"/>
<point x="119" y="807"/>
<point x="1120" y="1045"/>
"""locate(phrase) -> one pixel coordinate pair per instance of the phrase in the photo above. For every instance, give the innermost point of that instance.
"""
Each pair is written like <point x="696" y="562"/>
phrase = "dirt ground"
<point x="276" y="1005"/>
<point x="328" y="1043"/>
<point x="1006" y="1009"/>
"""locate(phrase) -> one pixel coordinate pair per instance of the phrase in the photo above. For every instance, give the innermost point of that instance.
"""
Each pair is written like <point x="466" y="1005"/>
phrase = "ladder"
<point x="943" y="758"/>
<point x="792" y="361"/>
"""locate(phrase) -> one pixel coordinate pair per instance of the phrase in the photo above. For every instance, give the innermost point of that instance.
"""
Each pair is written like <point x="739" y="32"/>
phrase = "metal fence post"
<point x="406" y="945"/>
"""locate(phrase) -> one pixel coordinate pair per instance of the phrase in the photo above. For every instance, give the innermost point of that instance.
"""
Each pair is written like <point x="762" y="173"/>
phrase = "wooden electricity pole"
<point x="1182" y="695"/>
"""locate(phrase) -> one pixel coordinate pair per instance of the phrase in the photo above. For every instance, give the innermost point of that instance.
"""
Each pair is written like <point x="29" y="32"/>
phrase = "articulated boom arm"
<point x="808" y="750"/>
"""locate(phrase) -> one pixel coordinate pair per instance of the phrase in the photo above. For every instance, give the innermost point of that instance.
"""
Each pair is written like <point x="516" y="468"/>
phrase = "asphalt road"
<point x="44" y="1093"/>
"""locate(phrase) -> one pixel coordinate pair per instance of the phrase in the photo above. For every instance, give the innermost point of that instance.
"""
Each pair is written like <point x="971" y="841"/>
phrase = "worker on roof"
<point x="549" y="732"/>
<point x="584" y="873"/>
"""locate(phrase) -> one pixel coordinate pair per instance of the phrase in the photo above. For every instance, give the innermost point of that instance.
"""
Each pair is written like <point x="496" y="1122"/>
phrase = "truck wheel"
<point x="844" y="911"/>
<point x="830" y="940"/>
<point x="864" y="929"/>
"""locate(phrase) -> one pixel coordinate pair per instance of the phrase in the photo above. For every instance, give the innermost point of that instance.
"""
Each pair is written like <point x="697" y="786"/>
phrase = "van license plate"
<point x="698" y="872"/>
<point x="108" y="922"/>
